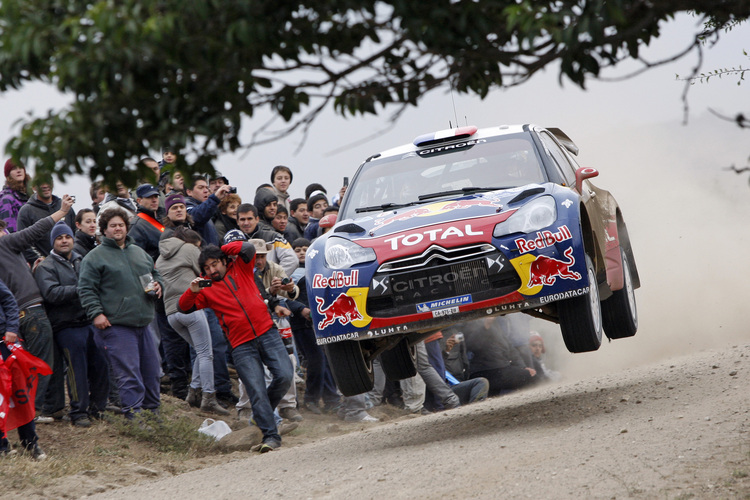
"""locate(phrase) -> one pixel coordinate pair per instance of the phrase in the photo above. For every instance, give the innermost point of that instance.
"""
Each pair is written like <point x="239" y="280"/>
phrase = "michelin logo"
<point x="443" y="303"/>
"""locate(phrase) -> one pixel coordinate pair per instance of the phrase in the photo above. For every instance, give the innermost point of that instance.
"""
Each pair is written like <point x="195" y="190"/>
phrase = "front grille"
<point x="406" y="288"/>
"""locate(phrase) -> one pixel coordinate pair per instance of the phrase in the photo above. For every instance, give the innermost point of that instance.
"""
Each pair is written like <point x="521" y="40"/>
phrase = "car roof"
<point x="455" y="135"/>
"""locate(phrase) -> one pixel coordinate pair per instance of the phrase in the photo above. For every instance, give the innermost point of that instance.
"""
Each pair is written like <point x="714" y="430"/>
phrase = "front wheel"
<point x="619" y="311"/>
<point x="400" y="361"/>
<point x="351" y="367"/>
<point x="581" y="317"/>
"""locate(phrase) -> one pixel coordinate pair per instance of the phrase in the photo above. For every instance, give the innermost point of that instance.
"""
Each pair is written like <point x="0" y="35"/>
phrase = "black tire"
<point x="351" y="368"/>
<point x="581" y="317"/>
<point x="400" y="361"/>
<point x="619" y="311"/>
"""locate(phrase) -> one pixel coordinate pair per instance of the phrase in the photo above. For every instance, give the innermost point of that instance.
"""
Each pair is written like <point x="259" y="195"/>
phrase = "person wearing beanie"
<point x="316" y="204"/>
<point x="14" y="194"/>
<point x="73" y="333"/>
<point x="281" y="178"/>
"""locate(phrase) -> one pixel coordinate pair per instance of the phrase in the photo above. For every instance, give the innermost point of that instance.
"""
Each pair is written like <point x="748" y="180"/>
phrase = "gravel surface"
<point x="669" y="429"/>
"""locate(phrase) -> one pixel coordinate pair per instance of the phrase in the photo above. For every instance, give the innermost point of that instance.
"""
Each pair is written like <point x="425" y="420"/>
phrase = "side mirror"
<point x="584" y="173"/>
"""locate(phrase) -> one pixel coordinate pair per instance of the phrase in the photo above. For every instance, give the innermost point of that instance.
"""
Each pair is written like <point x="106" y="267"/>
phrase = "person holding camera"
<point x="244" y="315"/>
<point x="202" y="205"/>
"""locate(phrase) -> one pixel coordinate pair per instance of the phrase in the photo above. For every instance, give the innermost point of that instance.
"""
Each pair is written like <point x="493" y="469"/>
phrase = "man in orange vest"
<point x="145" y="228"/>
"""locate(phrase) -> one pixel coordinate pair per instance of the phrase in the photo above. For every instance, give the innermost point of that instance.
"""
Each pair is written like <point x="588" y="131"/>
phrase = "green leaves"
<point x="141" y="73"/>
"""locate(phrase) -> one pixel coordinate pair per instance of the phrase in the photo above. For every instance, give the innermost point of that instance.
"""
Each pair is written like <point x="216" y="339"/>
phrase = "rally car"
<point x="462" y="224"/>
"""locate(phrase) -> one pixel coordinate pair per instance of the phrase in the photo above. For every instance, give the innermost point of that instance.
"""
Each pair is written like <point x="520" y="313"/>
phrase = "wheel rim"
<point x="629" y="290"/>
<point x="594" y="304"/>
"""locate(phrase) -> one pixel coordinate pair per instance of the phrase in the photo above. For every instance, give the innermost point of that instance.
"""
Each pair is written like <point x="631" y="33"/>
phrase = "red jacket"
<point x="236" y="300"/>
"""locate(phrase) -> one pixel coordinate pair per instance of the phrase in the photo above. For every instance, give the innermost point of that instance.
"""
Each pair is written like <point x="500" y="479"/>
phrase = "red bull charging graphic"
<point x="545" y="270"/>
<point x="343" y="309"/>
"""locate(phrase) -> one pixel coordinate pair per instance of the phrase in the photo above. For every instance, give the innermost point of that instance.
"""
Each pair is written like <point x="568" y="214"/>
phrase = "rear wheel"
<point x="400" y="361"/>
<point x="581" y="317"/>
<point x="619" y="311"/>
<point x="351" y="367"/>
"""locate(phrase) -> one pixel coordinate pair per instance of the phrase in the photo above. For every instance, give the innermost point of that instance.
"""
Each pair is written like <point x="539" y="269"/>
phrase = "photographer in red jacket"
<point x="233" y="295"/>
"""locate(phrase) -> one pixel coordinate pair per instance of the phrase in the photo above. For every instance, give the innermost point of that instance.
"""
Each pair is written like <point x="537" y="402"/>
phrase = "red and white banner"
<point x="19" y="375"/>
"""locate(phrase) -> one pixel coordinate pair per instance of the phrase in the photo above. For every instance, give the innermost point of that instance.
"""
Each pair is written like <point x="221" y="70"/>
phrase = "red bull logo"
<point x="436" y="208"/>
<point x="337" y="280"/>
<point x="343" y="309"/>
<point x="543" y="239"/>
<point x="545" y="270"/>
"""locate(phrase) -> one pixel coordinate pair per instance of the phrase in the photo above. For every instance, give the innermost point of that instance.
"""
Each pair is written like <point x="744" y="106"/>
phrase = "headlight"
<point x="343" y="254"/>
<point x="534" y="216"/>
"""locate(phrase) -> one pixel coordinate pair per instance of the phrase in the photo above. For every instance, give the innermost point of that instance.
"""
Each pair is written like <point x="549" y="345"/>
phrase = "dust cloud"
<point x="687" y="218"/>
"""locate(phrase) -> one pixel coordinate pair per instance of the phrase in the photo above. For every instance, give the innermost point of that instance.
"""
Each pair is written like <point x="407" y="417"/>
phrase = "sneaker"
<point x="82" y="422"/>
<point x="286" y="427"/>
<point x="36" y="452"/>
<point x="313" y="408"/>
<point x="43" y="419"/>
<point x="290" y="414"/>
<point x="8" y="453"/>
<point x="266" y="446"/>
<point x="227" y="399"/>
<point x="366" y="418"/>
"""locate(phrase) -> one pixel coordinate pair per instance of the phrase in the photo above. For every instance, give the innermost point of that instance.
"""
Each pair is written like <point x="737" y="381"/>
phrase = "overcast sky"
<point x="687" y="216"/>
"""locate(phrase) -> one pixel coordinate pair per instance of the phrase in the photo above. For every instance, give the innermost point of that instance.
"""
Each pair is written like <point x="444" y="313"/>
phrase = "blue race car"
<point x="464" y="224"/>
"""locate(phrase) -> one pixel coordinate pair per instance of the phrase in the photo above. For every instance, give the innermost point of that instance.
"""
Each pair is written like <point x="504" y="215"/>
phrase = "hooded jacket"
<point x="11" y="202"/>
<point x="236" y="299"/>
<point x="35" y="210"/>
<point x="178" y="266"/>
<point x="263" y="198"/>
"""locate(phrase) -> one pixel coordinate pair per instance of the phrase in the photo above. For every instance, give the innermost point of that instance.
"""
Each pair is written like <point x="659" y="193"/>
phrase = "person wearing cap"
<point x="88" y="372"/>
<point x="14" y="194"/>
<point x="240" y="305"/>
<point x="36" y="331"/>
<point x="42" y="204"/>
<point x="316" y="204"/>
<point x="145" y="229"/>
<point x="281" y="178"/>
<point x="216" y="181"/>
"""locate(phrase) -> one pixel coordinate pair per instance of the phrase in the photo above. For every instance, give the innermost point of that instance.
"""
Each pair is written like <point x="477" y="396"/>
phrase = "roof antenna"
<point x="454" y="106"/>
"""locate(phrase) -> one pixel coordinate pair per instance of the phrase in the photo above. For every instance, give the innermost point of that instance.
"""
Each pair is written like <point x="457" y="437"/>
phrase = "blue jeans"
<point x="249" y="358"/>
<point x="135" y="361"/>
<point x="193" y="328"/>
<point x="220" y="345"/>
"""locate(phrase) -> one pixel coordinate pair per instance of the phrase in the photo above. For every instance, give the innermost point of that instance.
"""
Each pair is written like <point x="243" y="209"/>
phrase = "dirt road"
<point x="674" y="429"/>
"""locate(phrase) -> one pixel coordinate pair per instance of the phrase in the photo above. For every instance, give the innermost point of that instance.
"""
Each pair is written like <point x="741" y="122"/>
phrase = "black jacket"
<point x="145" y="234"/>
<point x="84" y="243"/>
<point x="57" y="279"/>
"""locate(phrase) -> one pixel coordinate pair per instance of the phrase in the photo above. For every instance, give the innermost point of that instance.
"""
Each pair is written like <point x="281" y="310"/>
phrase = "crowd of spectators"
<point x="180" y="279"/>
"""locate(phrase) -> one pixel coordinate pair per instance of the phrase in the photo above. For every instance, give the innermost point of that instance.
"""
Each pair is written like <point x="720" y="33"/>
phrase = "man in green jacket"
<point x="117" y="287"/>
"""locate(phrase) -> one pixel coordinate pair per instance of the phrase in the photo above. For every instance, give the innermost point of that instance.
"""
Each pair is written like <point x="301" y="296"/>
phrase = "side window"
<point x="567" y="170"/>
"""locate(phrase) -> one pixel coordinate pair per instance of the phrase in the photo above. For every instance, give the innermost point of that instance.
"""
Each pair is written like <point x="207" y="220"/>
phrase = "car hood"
<point x="441" y="211"/>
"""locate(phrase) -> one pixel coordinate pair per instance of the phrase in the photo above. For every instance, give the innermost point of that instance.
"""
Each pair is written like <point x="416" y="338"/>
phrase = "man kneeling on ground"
<point x="246" y="320"/>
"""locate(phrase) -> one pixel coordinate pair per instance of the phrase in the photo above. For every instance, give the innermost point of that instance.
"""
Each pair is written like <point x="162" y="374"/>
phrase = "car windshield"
<point x="500" y="162"/>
